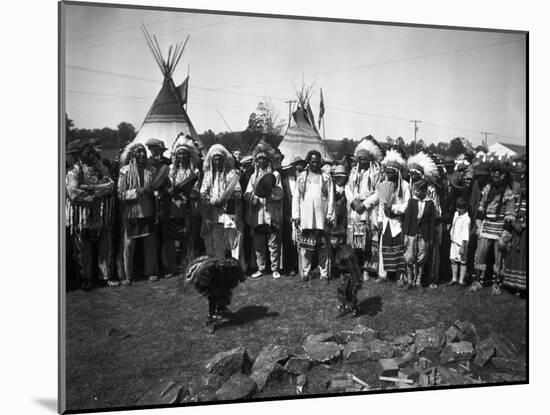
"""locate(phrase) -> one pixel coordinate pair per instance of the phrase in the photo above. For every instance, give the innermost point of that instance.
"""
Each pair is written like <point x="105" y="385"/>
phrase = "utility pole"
<point x="220" y="114"/>
<point x="485" y="141"/>
<point x="290" y="102"/>
<point x="415" y="130"/>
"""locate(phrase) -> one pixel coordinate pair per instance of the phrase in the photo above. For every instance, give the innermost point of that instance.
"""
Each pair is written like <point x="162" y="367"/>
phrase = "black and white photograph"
<point x="265" y="207"/>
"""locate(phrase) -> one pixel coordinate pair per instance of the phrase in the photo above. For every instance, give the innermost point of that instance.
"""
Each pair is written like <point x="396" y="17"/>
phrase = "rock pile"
<point x="429" y="357"/>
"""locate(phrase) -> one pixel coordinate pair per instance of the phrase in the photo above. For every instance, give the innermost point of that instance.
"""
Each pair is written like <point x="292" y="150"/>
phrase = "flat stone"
<point x="267" y="373"/>
<point x="387" y="367"/>
<point x="453" y="334"/>
<point x="485" y="350"/>
<point x="448" y="377"/>
<point x="446" y="355"/>
<point x="325" y="352"/>
<point x="494" y="345"/>
<point x="429" y="340"/>
<point x="380" y="349"/>
<point x="462" y="351"/>
<point x="468" y="331"/>
<point x="503" y="346"/>
<point x="269" y="355"/>
<point x="297" y="365"/>
<point x="402" y="341"/>
<point x="340" y="383"/>
<point x="424" y="380"/>
<point x="238" y="387"/>
<point x="206" y="395"/>
<point x="513" y="365"/>
<point x="227" y="363"/>
<point x="406" y="359"/>
<point x="320" y="338"/>
<point x="357" y="351"/>
<point x="212" y="381"/>
<point x="164" y="393"/>
<point x="408" y="373"/>
<point x="364" y="330"/>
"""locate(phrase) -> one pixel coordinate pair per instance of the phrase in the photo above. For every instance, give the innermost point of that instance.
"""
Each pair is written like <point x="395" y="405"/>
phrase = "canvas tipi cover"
<point x="166" y="118"/>
<point x="302" y="136"/>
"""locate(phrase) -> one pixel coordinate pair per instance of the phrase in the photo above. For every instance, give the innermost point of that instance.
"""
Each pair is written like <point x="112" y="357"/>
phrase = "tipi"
<point x="166" y="119"/>
<point x="302" y="135"/>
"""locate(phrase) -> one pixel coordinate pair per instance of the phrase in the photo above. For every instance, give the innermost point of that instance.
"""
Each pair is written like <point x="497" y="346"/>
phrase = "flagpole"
<point x="187" y="92"/>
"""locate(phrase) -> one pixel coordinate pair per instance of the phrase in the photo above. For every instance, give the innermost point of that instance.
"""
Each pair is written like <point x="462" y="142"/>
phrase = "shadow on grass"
<point x="370" y="306"/>
<point x="246" y="315"/>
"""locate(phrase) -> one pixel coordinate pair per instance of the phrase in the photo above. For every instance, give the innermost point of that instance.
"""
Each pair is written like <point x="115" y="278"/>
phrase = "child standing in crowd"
<point x="345" y="267"/>
<point x="419" y="231"/>
<point x="460" y="235"/>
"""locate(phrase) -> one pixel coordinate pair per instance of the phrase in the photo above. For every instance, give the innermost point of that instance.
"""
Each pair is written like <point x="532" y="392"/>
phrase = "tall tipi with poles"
<point x="167" y="118"/>
<point x="302" y="135"/>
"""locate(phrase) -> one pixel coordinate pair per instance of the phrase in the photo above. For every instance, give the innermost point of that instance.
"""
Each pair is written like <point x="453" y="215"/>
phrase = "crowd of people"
<point x="374" y="215"/>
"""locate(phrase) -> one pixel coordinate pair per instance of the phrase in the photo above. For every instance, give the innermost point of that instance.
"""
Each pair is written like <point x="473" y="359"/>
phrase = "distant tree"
<point x="272" y="125"/>
<point x="456" y="147"/>
<point x="208" y="138"/>
<point x="390" y="141"/>
<point x="69" y="128"/>
<point x="346" y="146"/>
<point x="442" y="147"/>
<point x="433" y="148"/>
<point x="126" y="133"/>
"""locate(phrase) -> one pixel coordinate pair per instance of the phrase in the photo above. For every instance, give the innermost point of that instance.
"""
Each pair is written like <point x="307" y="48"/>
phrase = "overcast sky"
<point x="375" y="78"/>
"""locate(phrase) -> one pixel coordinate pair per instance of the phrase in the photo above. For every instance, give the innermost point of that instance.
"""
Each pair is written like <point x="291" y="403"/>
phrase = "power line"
<point x="371" y="65"/>
<point x="123" y="30"/>
<point x="217" y="90"/>
<point x="158" y="34"/>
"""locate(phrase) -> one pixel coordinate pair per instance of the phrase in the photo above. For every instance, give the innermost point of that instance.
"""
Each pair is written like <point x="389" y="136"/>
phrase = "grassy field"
<point x="123" y="340"/>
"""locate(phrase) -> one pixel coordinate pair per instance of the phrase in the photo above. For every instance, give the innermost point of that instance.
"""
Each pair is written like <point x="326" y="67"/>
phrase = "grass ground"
<point x="122" y="340"/>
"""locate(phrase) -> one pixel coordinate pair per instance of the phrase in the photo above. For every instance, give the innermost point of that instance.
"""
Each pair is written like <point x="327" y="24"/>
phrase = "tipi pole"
<point x="324" y="137"/>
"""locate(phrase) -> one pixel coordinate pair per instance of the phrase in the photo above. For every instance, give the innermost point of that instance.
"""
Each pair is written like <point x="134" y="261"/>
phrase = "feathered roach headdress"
<point x="218" y="149"/>
<point x="395" y="158"/>
<point x="424" y="165"/>
<point x="370" y="146"/>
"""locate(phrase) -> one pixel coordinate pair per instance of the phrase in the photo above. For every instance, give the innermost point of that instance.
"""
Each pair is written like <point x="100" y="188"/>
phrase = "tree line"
<point x="262" y="123"/>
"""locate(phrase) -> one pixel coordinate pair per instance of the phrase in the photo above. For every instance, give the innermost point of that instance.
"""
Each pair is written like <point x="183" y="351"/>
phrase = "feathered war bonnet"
<point x="371" y="147"/>
<point x="395" y="159"/>
<point x="186" y="143"/>
<point x="218" y="149"/>
<point x="424" y="165"/>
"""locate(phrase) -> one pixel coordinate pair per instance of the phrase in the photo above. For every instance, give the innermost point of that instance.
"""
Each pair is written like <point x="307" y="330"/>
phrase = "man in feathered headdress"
<point x="264" y="210"/>
<point x="422" y="166"/>
<point x="179" y="206"/>
<point x="362" y="200"/>
<point x="390" y="211"/>
<point x="90" y="212"/>
<point x="312" y="213"/>
<point x="135" y="189"/>
<point x="221" y="197"/>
